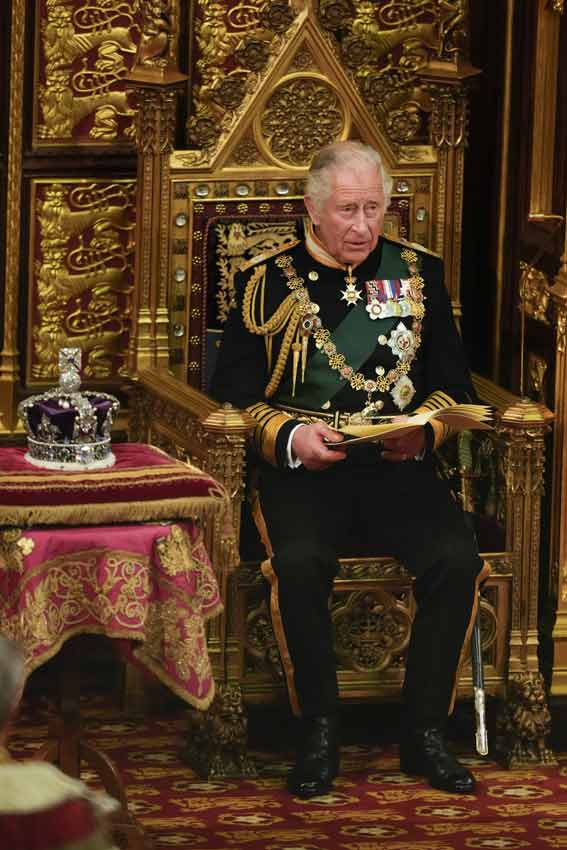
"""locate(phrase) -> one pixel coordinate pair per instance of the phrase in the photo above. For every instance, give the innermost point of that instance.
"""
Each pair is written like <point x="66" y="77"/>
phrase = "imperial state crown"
<point x="67" y="428"/>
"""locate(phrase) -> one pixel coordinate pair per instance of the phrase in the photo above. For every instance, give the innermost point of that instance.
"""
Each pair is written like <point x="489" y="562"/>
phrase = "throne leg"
<point x="524" y="722"/>
<point x="218" y="739"/>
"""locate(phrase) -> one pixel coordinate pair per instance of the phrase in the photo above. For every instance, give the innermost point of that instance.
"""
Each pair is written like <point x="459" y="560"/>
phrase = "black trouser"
<point x="399" y="509"/>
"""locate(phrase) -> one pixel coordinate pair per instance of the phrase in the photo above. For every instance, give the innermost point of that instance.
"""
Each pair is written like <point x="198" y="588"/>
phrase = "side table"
<point x="149" y="585"/>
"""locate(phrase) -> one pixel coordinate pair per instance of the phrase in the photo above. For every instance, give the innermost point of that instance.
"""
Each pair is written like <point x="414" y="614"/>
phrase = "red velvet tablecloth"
<point x="151" y="584"/>
<point x="95" y="551"/>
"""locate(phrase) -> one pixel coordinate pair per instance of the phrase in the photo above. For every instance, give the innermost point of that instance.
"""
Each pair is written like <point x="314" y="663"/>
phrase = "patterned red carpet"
<point x="373" y="807"/>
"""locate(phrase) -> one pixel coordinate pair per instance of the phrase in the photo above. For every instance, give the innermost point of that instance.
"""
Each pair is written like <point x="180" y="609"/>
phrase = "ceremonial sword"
<point x="481" y="736"/>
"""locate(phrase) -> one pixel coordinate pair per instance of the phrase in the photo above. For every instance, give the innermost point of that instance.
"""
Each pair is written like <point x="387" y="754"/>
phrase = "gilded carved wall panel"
<point x="83" y="51"/>
<point x="81" y="276"/>
<point x="383" y="45"/>
<point x="234" y="43"/>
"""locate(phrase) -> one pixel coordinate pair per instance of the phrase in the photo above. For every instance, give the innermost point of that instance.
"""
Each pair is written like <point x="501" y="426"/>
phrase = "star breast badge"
<point x="351" y="294"/>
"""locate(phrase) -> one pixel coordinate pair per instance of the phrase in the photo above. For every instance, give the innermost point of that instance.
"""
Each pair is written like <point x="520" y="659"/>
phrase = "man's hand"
<point x="308" y="446"/>
<point x="404" y="448"/>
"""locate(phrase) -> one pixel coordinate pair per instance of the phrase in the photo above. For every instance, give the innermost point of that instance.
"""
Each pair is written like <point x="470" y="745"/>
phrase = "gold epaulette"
<point x="267" y="255"/>
<point x="399" y="240"/>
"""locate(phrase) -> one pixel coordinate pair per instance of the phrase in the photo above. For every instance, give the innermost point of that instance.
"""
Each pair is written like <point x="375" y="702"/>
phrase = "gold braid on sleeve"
<point x="286" y="316"/>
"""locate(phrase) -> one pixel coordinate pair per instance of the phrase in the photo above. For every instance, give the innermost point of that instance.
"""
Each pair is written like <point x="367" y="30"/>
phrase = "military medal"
<point x="403" y="392"/>
<point x="374" y="309"/>
<point x="402" y="342"/>
<point x="351" y="294"/>
<point x="385" y="298"/>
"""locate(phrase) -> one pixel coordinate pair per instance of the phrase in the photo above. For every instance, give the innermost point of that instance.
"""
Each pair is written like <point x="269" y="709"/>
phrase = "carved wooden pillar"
<point x="558" y="582"/>
<point x="524" y="721"/>
<point x="156" y="80"/>
<point x="524" y="426"/>
<point x="9" y="369"/>
<point x="447" y="84"/>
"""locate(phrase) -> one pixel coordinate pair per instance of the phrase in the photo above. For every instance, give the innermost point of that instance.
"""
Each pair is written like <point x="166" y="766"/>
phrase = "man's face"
<point x="351" y="219"/>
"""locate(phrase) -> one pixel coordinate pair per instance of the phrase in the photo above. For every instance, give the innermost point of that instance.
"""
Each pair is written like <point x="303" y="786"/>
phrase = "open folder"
<point x="459" y="417"/>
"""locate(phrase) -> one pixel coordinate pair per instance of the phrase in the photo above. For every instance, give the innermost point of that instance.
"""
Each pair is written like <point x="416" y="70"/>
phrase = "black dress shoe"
<point x="425" y="753"/>
<point x="317" y="762"/>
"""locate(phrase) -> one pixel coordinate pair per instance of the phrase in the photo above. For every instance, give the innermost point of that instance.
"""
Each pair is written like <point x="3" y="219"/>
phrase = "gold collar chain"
<point x="311" y="324"/>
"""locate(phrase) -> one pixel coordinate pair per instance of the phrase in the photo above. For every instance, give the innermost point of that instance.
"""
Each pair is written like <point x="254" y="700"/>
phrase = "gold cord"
<point x="277" y="374"/>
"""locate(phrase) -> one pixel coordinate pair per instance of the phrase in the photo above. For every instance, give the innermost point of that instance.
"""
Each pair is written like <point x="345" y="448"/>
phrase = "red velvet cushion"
<point x="144" y="485"/>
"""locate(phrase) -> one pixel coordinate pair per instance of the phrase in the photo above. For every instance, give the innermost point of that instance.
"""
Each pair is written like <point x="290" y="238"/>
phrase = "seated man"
<point x="40" y="807"/>
<point x="347" y="321"/>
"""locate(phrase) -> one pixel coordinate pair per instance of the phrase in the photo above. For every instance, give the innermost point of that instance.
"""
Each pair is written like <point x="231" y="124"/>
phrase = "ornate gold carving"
<point x="83" y="276"/>
<point x="159" y="32"/>
<point x="252" y="34"/>
<point x="372" y="569"/>
<point x="525" y="722"/>
<point x="9" y="368"/>
<point x="403" y="124"/>
<point x="303" y="114"/>
<point x="388" y="47"/>
<point x="156" y="136"/>
<point x="253" y="54"/>
<point x="277" y="15"/>
<point x="334" y="13"/>
<point x="303" y="60"/>
<point x="371" y="629"/>
<point x="561" y="325"/>
<point x="523" y="428"/>
<point x="449" y="117"/>
<point x="558" y="553"/>
<point x="86" y="51"/>
<point x="218" y="738"/>
<point x="534" y="293"/>
<point x="545" y="64"/>
<point x="239" y="241"/>
<point x="261" y="645"/>
<point x="537" y="368"/>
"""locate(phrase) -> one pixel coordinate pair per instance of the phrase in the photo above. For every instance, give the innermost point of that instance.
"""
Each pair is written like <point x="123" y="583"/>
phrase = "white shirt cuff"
<point x="293" y="462"/>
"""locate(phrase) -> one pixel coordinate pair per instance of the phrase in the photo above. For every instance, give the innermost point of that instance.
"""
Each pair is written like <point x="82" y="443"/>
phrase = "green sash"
<point x="355" y="337"/>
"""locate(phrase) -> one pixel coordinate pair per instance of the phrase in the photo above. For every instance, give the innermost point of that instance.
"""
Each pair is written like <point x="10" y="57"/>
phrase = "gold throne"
<point x="267" y="92"/>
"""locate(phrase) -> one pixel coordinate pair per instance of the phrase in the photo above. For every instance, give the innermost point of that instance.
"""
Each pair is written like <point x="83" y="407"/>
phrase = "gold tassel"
<point x="304" y="344"/>
<point x="296" y="348"/>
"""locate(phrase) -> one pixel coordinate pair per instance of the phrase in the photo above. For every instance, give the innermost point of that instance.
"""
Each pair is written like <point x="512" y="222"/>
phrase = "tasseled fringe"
<point x="200" y="508"/>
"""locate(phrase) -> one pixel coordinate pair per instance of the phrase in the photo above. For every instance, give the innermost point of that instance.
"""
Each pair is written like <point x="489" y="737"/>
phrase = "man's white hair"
<point x="11" y="677"/>
<point x="347" y="154"/>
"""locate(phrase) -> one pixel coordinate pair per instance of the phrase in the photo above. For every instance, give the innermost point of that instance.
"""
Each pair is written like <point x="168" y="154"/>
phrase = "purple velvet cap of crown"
<point x="63" y="418"/>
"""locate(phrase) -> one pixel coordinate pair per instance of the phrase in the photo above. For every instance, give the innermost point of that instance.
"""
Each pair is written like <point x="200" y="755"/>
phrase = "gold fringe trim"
<point x="279" y="632"/>
<point x="481" y="577"/>
<point x="112" y="512"/>
<point x="137" y="636"/>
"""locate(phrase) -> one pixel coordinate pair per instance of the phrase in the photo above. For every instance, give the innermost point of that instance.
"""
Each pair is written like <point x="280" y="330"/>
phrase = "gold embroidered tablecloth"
<point x="150" y="585"/>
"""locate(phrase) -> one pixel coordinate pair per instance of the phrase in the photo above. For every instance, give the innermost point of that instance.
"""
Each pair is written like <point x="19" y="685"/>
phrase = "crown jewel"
<point x="68" y="429"/>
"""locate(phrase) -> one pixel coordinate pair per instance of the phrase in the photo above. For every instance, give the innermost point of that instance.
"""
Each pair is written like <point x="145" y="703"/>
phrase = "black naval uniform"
<point x="360" y="503"/>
